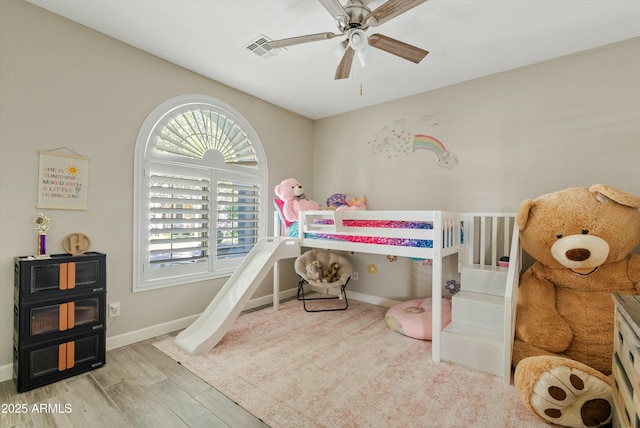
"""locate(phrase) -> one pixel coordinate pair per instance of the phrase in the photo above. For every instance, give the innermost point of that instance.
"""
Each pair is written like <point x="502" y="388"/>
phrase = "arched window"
<point x="199" y="199"/>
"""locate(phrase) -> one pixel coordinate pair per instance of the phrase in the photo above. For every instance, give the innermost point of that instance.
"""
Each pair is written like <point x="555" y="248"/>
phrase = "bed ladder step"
<point x="479" y="335"/>
<point x="478" y="309"/>
<point x="484" y="279"/>
<point x="475" y="336"/>
<point x="473" y="347"/>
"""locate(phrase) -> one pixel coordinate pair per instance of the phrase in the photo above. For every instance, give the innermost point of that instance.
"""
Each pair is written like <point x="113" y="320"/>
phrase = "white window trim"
<point x="141" y="191"/>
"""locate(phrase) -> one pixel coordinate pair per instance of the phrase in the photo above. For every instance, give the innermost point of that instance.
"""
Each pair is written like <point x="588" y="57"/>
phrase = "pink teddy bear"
<point x="291" y="192"/>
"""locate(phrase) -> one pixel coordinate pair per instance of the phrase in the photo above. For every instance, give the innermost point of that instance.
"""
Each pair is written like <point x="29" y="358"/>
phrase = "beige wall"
<point x="573" y="121"/>
<point x="63" y="85"/>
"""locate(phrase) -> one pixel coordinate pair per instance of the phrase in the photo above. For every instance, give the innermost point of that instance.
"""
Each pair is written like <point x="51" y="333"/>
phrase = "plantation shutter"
<point x="178" y="220"/>
<point x="238" y="218"/>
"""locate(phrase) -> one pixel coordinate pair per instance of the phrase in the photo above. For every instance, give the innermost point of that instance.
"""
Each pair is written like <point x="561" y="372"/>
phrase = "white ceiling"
<point x="466" y="39"/>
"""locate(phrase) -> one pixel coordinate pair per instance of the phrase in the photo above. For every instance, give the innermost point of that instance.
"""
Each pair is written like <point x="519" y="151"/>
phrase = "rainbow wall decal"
<point x="426" y="142"/>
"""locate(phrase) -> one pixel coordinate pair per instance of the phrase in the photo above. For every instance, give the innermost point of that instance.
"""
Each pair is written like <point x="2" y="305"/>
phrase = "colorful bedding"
<point x="385" y="224"/>
<point x="378" y="240"/>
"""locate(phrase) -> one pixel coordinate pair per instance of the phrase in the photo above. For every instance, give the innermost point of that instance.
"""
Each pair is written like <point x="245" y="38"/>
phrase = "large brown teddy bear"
<point x="582" y="240"/>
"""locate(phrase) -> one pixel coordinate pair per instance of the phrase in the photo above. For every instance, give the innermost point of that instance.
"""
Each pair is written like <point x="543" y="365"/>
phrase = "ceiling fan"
<point x="353" y="19"/>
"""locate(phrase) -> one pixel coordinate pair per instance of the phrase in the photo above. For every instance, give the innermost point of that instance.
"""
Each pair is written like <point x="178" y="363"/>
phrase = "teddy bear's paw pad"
<point x="572" y="398"/>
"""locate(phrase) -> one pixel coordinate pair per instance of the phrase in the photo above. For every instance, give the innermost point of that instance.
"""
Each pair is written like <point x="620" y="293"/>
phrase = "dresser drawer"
<point x="41" y="364"/>
<point x="623" y="395"/>
<point x="38" y="279"/>
<point x="627" y="348"/>
<point x="52" y="318"/>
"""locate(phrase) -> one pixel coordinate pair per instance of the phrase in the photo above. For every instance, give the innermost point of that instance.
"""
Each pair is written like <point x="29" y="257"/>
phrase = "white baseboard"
<point x="374" y="300"/>
<point x="135" y="336"/>
<point x="182" y="323"/>
<point x="6" y="371"/>
<point x="353" y="295"/>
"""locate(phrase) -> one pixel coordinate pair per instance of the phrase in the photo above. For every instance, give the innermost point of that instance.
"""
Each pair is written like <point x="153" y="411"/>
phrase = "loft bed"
<point x="416" y="234"/>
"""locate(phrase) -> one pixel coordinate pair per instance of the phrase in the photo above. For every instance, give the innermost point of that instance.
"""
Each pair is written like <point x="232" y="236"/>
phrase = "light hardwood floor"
<point x="138" y="386"/>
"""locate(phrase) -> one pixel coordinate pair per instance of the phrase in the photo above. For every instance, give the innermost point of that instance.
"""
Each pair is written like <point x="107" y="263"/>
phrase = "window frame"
<point x="212" y="166"/>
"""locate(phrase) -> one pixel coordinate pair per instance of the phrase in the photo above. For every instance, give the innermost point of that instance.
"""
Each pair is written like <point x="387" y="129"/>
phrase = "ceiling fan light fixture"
<point x="357" y="40"/>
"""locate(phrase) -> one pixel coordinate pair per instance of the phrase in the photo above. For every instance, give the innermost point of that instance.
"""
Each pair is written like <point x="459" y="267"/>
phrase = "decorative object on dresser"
<point x="43" y="223"/>
<point x="59" y="317"/>
<point x="76" y="243"/>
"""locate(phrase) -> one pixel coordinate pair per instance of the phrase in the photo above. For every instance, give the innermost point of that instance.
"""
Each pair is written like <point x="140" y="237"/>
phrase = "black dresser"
<point x="59" y="317"/>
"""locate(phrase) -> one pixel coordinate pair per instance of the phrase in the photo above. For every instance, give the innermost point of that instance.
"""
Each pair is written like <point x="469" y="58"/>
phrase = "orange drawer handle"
<point x="71" y="275"/>
<point x="63" y="317"/>
<point x="62" y="357"/>
<point x="66" y="355"/>
<point x="63" y="276"/>
<point x="71" y="318"/>
<point x="71" y="354"/>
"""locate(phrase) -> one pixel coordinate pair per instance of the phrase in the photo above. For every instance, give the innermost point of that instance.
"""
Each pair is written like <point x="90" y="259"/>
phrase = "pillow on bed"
<point x="292" y="226"/>
<point x="279" y="204"/>
<point x="413" y="318"/>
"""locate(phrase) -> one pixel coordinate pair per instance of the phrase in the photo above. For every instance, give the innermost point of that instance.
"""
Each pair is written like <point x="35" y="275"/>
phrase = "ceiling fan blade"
<point x="390" y="10"/>
<point x="398" y="48"/>
<point x="301" y="39"/>
<point x="344" y="68"/>
<point x="336" y="10"/>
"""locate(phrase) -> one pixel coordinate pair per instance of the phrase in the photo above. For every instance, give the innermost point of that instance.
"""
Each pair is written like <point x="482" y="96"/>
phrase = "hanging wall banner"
<point x="63" y="180"/>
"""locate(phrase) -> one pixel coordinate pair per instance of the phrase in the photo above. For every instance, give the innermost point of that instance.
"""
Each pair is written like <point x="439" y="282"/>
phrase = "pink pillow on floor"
<point x="413" y="318"/>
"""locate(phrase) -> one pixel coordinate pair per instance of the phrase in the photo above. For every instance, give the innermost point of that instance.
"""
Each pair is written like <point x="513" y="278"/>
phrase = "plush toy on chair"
<point x="291" y="192"/>
<point x="582" y="240"/>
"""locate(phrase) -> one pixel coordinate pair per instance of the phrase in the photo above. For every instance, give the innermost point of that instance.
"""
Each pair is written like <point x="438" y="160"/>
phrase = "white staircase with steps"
<point x="480" y="335"/>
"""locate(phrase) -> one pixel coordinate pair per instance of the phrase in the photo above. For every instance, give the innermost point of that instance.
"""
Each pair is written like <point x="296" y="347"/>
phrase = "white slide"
<point x="214" y="322"/>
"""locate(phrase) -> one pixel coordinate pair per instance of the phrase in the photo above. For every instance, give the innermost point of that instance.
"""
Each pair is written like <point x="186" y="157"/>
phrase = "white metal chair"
<point x="326" y="259"/>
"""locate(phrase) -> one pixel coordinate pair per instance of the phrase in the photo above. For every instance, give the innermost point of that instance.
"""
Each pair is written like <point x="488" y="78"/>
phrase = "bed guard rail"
<point x="444" y="227"/>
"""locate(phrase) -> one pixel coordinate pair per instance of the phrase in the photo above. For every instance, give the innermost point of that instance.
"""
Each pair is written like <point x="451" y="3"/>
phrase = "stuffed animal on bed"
<point x="582" y="240"/>
<point x="291" y="192"/>
<point x="336" y="201"/>
<point x="353" y="204"/>
<point x="342" y="202"/>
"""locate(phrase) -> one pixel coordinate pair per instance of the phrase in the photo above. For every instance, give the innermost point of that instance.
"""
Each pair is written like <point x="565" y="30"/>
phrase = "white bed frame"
<point x="445" y="237"/>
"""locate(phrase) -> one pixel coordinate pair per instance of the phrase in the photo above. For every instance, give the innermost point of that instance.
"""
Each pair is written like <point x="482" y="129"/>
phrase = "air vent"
<point x="259" y="47"/>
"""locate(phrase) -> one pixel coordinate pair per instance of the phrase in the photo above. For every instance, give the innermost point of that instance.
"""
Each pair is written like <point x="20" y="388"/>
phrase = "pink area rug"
<point x="347" y="369"/>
